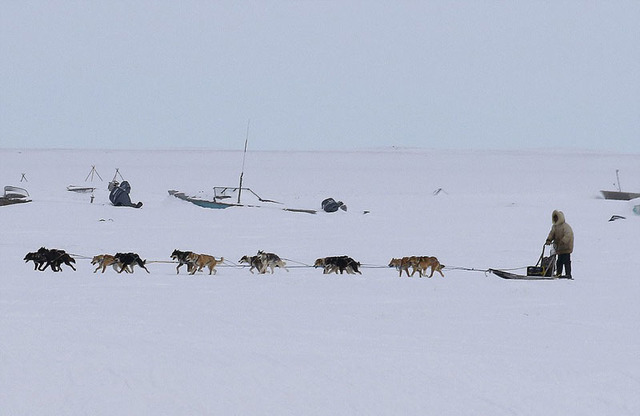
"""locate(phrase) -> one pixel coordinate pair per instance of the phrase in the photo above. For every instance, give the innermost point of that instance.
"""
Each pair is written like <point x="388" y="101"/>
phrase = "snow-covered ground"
<point x="304" y="343"/>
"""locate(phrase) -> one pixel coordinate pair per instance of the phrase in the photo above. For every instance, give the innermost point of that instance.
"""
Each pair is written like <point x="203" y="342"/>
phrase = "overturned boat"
<point x="619" y="195"/>
<point x="14" y="195"/>
<point x="230" y="196"/>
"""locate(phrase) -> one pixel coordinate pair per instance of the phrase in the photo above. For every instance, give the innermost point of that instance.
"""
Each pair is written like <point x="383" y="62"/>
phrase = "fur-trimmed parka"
<point x="561" y="233"/>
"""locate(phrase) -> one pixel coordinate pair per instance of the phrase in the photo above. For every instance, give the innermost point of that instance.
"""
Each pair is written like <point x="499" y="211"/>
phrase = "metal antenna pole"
<point x="618" y="179"/>
<point x="246" y="140"/>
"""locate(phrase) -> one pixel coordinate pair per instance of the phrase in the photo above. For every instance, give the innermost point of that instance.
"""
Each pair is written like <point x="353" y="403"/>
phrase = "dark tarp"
<point x="331" y="205"/>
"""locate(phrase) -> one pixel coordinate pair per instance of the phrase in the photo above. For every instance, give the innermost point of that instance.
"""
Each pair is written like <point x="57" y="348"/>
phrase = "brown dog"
<point x="425" y="262"/>
<point x="200" y="261"/>
<point x="105" y="260"/>
<point x="420" y="264"/>
<point x="403" y="264"/>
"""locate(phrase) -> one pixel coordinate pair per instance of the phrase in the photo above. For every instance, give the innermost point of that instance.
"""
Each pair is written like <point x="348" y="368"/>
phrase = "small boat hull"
<point x="11" y="201"/>
<point x="205" y="203"/>
<point x="201" y="202"/>
<point x="619" y="195"/>
<point x="80" y="189"/>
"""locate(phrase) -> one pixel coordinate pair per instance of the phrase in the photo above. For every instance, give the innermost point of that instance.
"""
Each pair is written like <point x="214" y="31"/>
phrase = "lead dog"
<point x="37" y="258"/>
<point x="130" y="260"/>
<point x="200" y="261"/>
<point x="182" y="258"/>
<point x="337" y="264"/>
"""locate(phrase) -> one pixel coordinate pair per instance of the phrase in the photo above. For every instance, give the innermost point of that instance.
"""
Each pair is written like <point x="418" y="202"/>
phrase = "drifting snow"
<point x="306" y="343"/>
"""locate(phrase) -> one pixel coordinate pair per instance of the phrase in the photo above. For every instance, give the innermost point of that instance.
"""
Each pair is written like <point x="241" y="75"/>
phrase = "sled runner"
<point x="508" y="275"/>
<point x="543" y="270"/>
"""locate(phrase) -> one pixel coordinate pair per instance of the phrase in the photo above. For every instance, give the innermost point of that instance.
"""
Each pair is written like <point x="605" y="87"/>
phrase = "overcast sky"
<point x="320" y="74"/>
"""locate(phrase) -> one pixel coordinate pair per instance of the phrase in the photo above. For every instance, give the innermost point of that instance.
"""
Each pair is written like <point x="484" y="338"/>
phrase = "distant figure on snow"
<point x="119" y="195"/>
<point x="561" y="235"/>
<point x="331" y="205"/>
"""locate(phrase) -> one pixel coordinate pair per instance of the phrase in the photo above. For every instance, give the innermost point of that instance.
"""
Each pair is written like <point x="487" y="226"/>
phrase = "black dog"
<point x="338" y="263"/>
<point x="128" y="260"/>
<point x="181" y="257"/>
<point x="37" y="258"/>
<point x="45" y="257"/>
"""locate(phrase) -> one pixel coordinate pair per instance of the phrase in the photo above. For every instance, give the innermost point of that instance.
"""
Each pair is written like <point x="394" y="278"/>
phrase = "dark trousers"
<point x="564" y="260"/>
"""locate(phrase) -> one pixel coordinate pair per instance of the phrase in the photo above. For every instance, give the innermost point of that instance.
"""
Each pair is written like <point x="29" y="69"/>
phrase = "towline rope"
<point x="301" y="265"/>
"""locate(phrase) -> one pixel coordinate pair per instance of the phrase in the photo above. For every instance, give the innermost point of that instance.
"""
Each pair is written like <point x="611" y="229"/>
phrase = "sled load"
<point x="14" y="195"/>
<point x="119" y="195"/>
<point x="544" y="269"/>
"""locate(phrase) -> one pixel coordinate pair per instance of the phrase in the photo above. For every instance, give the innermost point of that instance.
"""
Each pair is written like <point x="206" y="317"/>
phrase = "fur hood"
<point x="557" y="217"/>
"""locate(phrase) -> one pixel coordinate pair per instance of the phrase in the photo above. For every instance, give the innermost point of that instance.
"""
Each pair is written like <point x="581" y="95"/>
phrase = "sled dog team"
<point x="261" y="262"/>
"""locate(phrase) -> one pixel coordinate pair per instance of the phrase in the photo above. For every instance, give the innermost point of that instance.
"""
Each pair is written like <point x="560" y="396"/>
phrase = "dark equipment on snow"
<point x="119" y="195"/>
<point x="330" y="205"/>
<point x="14" y="195"/>
<point x="544" y="267"/>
